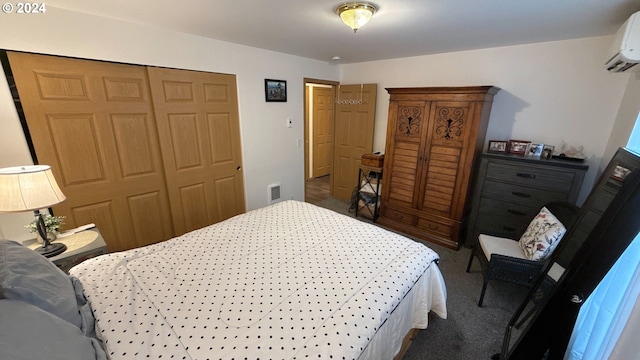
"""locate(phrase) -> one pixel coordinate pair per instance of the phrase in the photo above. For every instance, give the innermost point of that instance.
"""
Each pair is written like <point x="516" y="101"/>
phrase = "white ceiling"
<point x="400" y="28"/>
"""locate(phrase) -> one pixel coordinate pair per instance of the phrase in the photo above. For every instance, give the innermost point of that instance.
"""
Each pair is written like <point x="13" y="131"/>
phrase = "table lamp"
<point x="32" y="187"/>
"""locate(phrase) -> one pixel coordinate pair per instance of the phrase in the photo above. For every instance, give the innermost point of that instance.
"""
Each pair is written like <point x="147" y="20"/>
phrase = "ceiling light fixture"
<point x="356" y="14"/>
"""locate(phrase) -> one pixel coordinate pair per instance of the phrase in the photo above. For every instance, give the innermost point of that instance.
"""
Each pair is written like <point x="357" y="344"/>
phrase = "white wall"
<point x="550" y="92"/>
<point x="270" y="151"/>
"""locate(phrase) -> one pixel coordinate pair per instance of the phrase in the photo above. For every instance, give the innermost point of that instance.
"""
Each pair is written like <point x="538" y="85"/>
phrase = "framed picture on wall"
<point x="275" y="90"/>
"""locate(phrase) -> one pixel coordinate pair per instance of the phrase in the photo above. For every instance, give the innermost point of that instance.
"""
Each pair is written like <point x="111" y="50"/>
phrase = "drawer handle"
<point x="509" y="228"/>
<point x="526" y="176"/>
<point x="521" y="194"/>
<point x="516" y="212"/>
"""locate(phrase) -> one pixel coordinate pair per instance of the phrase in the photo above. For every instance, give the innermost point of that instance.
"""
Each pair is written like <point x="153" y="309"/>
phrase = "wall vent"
<point x="274" y="193"/>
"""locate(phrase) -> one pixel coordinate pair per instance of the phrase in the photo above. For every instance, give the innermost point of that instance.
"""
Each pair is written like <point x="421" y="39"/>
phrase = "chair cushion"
<point x="542" y="235"/>
<point x="498" y="245"/>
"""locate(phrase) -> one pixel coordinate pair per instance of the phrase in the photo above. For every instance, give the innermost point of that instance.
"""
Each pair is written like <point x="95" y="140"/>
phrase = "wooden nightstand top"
<point x="82" y="243"/>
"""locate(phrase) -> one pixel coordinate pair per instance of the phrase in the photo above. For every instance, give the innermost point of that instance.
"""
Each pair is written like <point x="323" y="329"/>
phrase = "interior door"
<point x="199" y="127"/>
<point x="322" y="130"/>
<point x="93" y="123"/>
<point x="354" y="125"/>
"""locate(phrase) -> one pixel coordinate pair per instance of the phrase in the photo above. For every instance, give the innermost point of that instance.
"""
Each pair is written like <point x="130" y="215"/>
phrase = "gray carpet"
<point x="468" y="332"/>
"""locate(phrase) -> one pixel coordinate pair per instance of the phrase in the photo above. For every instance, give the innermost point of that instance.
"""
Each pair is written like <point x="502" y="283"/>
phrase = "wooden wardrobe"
<point x="434" y="136"/>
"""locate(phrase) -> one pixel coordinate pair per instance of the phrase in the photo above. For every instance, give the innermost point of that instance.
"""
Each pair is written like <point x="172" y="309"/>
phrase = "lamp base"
<point x="51" y="250"/>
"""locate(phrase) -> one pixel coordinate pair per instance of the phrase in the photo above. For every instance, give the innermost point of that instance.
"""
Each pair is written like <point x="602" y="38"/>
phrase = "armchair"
<point x="505" y="259"/>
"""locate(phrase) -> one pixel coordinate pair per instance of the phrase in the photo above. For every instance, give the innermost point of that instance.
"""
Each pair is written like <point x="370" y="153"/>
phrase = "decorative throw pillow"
<point x="542" y="235"/>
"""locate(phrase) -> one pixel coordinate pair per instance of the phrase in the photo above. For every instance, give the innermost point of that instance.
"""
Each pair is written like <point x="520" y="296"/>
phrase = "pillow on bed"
<point x="542" y="235"/>
<point x="31" y="333"/>
<point x="28" y="276"/>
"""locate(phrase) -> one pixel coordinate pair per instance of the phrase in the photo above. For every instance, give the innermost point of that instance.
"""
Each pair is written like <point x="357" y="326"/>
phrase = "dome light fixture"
<point x="356" y="14"/>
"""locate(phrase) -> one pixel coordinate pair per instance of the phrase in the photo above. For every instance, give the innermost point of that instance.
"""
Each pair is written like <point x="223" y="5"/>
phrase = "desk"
<point x="80" y="246"/>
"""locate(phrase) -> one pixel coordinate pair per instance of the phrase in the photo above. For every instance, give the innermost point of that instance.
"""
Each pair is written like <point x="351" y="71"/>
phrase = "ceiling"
<point x="400" y="28"/>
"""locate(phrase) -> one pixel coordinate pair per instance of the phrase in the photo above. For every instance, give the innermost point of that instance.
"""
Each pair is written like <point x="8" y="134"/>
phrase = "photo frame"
<point x="547" y="152"/>
<point x="518" y="146"/>
<point x="497" y="146"/>
<point x="535" y="150"/>
<point x="620" y="173"/>
<point x="275" y="90"/>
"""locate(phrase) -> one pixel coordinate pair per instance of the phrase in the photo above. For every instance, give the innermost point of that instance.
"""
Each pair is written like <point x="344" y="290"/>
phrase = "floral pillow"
<point x="542" y="235"/>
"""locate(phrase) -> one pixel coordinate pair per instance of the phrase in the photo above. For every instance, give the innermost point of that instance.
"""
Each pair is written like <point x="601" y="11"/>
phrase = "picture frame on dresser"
<point x="518" y="147"/>
<point x="547" y="151"/>
<point x="535" y="150"/>
<point x="497" y="146"/>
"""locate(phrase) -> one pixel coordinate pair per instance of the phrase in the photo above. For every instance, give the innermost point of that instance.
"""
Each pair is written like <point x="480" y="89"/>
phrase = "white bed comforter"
<point x="284" y="282"/>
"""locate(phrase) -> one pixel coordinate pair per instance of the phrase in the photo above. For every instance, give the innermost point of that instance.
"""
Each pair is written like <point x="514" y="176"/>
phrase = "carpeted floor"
<point x="469" y="332"/>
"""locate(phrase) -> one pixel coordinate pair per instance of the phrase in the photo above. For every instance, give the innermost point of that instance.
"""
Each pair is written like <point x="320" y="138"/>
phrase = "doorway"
<point x="319" y="136"/>
<point x="334" y="148"/>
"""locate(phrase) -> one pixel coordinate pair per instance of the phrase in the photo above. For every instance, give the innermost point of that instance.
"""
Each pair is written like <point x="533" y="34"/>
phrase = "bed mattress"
<point x="288" y="281"/>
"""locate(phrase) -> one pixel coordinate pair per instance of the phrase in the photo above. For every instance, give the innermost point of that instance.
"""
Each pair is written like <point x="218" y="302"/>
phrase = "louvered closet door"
<point x="93" y="123"/>
<point x="199" y="130"/>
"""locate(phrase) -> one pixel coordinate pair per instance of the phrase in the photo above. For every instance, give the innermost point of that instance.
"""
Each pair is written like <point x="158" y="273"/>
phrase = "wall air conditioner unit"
<point x="625" y="51"/>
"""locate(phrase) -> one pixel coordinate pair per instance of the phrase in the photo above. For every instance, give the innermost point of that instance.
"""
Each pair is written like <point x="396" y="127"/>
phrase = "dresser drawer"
<point x="503" y="216"/>
<point x="538" y="177"/>
<point x="529" y="196"/>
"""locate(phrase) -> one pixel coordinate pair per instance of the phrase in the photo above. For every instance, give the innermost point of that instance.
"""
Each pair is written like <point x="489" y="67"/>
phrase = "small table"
<point x="81" y="246"/>
<point x="369" y="179"/>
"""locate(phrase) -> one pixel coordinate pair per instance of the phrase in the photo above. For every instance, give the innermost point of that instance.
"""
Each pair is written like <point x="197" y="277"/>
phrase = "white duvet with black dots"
<point x="289" y="281"/>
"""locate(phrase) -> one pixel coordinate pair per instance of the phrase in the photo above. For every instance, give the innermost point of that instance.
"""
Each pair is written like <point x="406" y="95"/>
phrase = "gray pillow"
<point x="30" y="277"/>
<point x="29" y="333"/>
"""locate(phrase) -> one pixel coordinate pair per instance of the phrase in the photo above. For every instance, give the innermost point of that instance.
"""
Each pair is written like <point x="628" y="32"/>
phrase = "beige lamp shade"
<point x="356" y="14"/>
<point x="24" y="188"/>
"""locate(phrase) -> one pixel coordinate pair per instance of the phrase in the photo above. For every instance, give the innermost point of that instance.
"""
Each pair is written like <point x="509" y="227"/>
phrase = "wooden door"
<point x="199" y="128"/>
<point x="93" y="123"/>
<point x="407" y="128"/>
<point x="354" y="125"/>
<point x="322" y="131"/>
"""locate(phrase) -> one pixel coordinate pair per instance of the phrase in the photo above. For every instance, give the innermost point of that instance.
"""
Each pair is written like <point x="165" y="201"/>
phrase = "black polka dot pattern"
<point x="289" y="281"/>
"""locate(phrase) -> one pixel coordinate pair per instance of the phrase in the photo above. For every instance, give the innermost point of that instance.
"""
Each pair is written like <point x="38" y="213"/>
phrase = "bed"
<point x="288" y="281"/>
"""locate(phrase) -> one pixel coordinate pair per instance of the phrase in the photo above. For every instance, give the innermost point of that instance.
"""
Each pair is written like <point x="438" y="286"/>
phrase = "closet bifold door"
<point x="94" y="124"/>
<point x="144" y="153"/>
<point x="199" y="129"/>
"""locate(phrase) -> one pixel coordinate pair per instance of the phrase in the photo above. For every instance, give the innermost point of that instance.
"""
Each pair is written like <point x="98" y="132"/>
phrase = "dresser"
<point x="434" y="137"/>
<point x="511" y="189"/>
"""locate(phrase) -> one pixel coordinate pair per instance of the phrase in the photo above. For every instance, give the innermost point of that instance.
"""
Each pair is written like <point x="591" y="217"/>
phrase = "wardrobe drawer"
<point x="542" y="178"/>
<point x="435" y="227"/>
<point x="529" y="196"/>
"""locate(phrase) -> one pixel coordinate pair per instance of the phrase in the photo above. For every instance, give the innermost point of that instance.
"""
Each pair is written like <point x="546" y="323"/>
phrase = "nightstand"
<point x="80" y="247"/>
